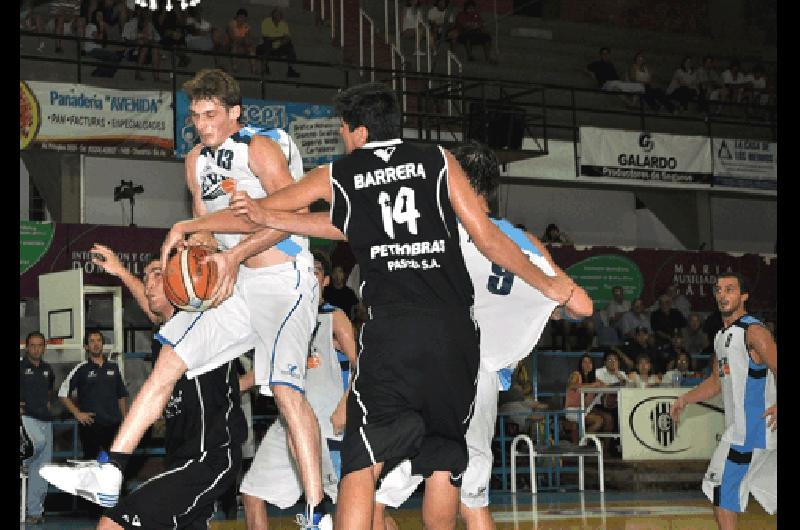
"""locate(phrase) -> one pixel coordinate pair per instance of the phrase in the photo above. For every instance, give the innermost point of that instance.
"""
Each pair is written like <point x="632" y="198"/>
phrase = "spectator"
<point x="589" y="379"/>
<point x="682" y="370"/>
<point x="617" y="307"/>
<point x="171" y="25"/>
<point x="735" y="86"/>
<point x="519" y="410"/>
<point x="277" y="42"/>
<point x="101" y="397"/>
<point x="611" y="375"/>
<point x="643" y="376"/>
<point x="36" y="379"/>
<point x="632" y="349"/>
<point x="553" y="235"/>
<point x="442" y="22"/>
<point x="201" y="35"/>
<point x="240" y="38"/>
<point x="683" y="87"/>
<point x="64" y="15"/>
<point x="115" y="13"/>
<point x="97" y="48"/>
<point x="679" y="300"/>
<point x="709" y="81"/>
<point x="469" y="25"/>
<point x="31" y="21"/>
<point x="639" y="72"/>
<point x="140" y="32"/>
<point x="522" y="378"/>
<point x="667" y="321"/>
<point x="758" y="84"/>
<point x="85" y="15"/>
<point x="338" y="294"/>
<point x="572" y="402"/>
<point x="408" y="28"/>
<point x="695" y="339"/>
<point x="607" y="78"/>
<point x="584" y="337"/>
<point x="635" y="318"/>
<point x="664" y="360"/>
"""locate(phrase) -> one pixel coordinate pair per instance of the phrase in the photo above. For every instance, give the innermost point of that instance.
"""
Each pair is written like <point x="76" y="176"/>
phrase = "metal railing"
<point x="417" y="50"/>
<point x="395" y="52"/>
<point x="332" y="10"/>
<point x="362" y="15"/>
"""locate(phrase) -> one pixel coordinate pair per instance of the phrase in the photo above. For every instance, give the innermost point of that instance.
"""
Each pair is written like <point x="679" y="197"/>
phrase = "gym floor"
<point x="545" y="511"/>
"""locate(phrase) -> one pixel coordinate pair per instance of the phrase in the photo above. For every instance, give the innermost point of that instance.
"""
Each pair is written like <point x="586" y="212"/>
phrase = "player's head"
<point x="215" y="104"/>
<point x="369" y="113"/>
<point x="34" y="345"/>
<point x="157" y="300"/>
<point x="731" y="292"/>
<point x="93" y="342"/>
<point x="322" y="268"/>
<point x="481" y="167"/>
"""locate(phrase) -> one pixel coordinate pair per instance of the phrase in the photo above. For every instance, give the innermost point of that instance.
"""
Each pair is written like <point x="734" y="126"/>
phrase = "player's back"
<point x="510" y="313"/>
<point x="391" y="200"/>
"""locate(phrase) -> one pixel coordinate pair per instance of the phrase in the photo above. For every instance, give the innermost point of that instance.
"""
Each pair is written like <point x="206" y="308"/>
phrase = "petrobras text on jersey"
<point x="403" y="263"/>
<point x="388" y="175"/>
<point x="407" y="249"/>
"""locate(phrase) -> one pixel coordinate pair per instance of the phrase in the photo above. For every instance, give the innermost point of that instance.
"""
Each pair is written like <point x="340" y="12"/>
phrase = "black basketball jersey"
<point x="391" y="199"/>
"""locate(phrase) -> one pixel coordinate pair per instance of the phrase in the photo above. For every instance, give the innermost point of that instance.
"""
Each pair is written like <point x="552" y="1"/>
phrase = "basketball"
<point x="189" y="283"/>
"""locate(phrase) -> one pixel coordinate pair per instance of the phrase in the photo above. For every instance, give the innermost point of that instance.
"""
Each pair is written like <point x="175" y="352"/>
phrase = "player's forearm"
<point x="70" y="406"/>
<point x="704" y="391"/>
<point x="316" y="224"/>
<point x="258" y="242"/>
<point x="221" y="221"/>
<point x="136" y="287"/>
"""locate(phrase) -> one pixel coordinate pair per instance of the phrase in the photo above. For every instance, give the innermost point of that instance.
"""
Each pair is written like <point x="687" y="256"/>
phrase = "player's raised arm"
<point x="493" y="243"/>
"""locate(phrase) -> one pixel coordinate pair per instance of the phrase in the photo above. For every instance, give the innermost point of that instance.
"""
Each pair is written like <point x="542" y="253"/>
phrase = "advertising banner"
<point x="745" y="163"/>
<point x="648" y="432"/>
<point x="314" y="128"/>
<point x="78" y="118"/>
<point x="634" y="155"/>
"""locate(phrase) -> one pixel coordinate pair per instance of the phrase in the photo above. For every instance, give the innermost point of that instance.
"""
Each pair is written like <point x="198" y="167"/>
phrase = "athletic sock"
<point x="120" y="460"/>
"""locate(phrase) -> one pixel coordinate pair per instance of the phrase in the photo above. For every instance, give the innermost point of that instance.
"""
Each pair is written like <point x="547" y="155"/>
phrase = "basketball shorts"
<point x="398" y="485"/>
<point x="272" y="309"/>
<point x="413" y="392"/>
<point x="273" y="476"/>
<point x="735" y="473"/>
<point x="181" y="497"/>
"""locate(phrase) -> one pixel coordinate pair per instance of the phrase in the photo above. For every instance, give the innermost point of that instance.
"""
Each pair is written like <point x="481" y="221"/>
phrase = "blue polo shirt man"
<point x="102" y="397"/>
<point x="36" y="380"/>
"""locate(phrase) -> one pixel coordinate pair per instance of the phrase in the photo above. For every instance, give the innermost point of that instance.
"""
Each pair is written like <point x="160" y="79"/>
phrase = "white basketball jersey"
<point x="230" y="161"/>
<point x="510" y="313"/>
<point x="747" y="388"/>
<point x="324" y="388"/>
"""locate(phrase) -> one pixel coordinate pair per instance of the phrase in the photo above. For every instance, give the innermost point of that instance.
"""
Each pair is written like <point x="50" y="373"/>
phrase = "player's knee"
<point x="107" y="524"/>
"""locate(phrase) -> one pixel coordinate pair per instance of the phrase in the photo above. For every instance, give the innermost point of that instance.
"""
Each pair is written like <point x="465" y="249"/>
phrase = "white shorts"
<point x="730" y="478"/>
<point x="272" y="309"/>
<point x="399" y="484"/>
<point x="273" y="476"/>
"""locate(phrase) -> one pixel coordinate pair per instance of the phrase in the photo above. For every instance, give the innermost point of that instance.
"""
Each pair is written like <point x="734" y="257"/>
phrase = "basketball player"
<point x="273" y="475"/>
<point x="511" y="316"/>
<point x="205" y="427"/>
<point x="398" y="205"/>
<point x="746" y="460"/>
<point x="273" y="305"/>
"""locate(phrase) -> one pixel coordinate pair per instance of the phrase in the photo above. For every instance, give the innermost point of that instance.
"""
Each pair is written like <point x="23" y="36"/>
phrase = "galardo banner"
<point x="633" y="155"/>
<point x="77" y="118"/>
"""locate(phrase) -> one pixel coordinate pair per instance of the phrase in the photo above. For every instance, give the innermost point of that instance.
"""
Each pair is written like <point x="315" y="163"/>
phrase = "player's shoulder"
<point x="253" y="135"/>
<point x="747" y="321"/>
<point x="327" y="308"/>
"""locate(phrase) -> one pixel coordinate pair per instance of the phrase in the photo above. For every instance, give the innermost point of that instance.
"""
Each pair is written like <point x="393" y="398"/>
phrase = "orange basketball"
<point x="188" y="283"/>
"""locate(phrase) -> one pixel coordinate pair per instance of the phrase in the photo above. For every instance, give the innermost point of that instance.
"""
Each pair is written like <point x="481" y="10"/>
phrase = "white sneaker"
<point x="96" y="482"/>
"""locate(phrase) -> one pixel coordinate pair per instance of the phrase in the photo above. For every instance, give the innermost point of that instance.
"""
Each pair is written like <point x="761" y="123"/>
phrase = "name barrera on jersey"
<point x="391" y="200"/>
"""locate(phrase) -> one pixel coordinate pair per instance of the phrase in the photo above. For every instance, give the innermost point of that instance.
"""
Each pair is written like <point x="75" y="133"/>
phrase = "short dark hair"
<point x="371" y="105"/>
<point x="639" y="329"/>
<point x="324" y="260"/>
<point x="608" y="354"/>
<point x="605" y="49"/>
<point x="34" y="334"/>
<point x="241" y="11"/>
<point x="211" y="83"/>
<point x="481" y="167"/>
<point x="744" y="288"/>
<point x="90" y="332"/>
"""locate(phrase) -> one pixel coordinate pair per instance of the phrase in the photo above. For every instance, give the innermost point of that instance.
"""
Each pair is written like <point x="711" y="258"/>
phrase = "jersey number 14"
<point x="403" y="212"/>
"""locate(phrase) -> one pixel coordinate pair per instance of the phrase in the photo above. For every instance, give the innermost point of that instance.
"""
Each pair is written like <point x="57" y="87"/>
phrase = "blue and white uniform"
<point x="273" y="475"/>
<point x="511" y="316"/>
<point x="746" y="460"/>
<point x="272" y="309"/>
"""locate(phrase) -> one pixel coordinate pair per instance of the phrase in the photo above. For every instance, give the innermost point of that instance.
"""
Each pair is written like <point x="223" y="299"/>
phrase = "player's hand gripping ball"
<point x="189" y="283"/>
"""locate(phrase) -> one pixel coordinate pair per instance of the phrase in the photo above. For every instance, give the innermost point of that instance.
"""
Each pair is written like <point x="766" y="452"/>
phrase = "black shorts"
<point x="181" y="497"/>
<point x="413" y="391"/>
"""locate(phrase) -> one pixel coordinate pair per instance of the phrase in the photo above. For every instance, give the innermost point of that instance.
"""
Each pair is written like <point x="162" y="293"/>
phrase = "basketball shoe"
<point x="314" y="521"/>
<point x="98" y="481"/>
